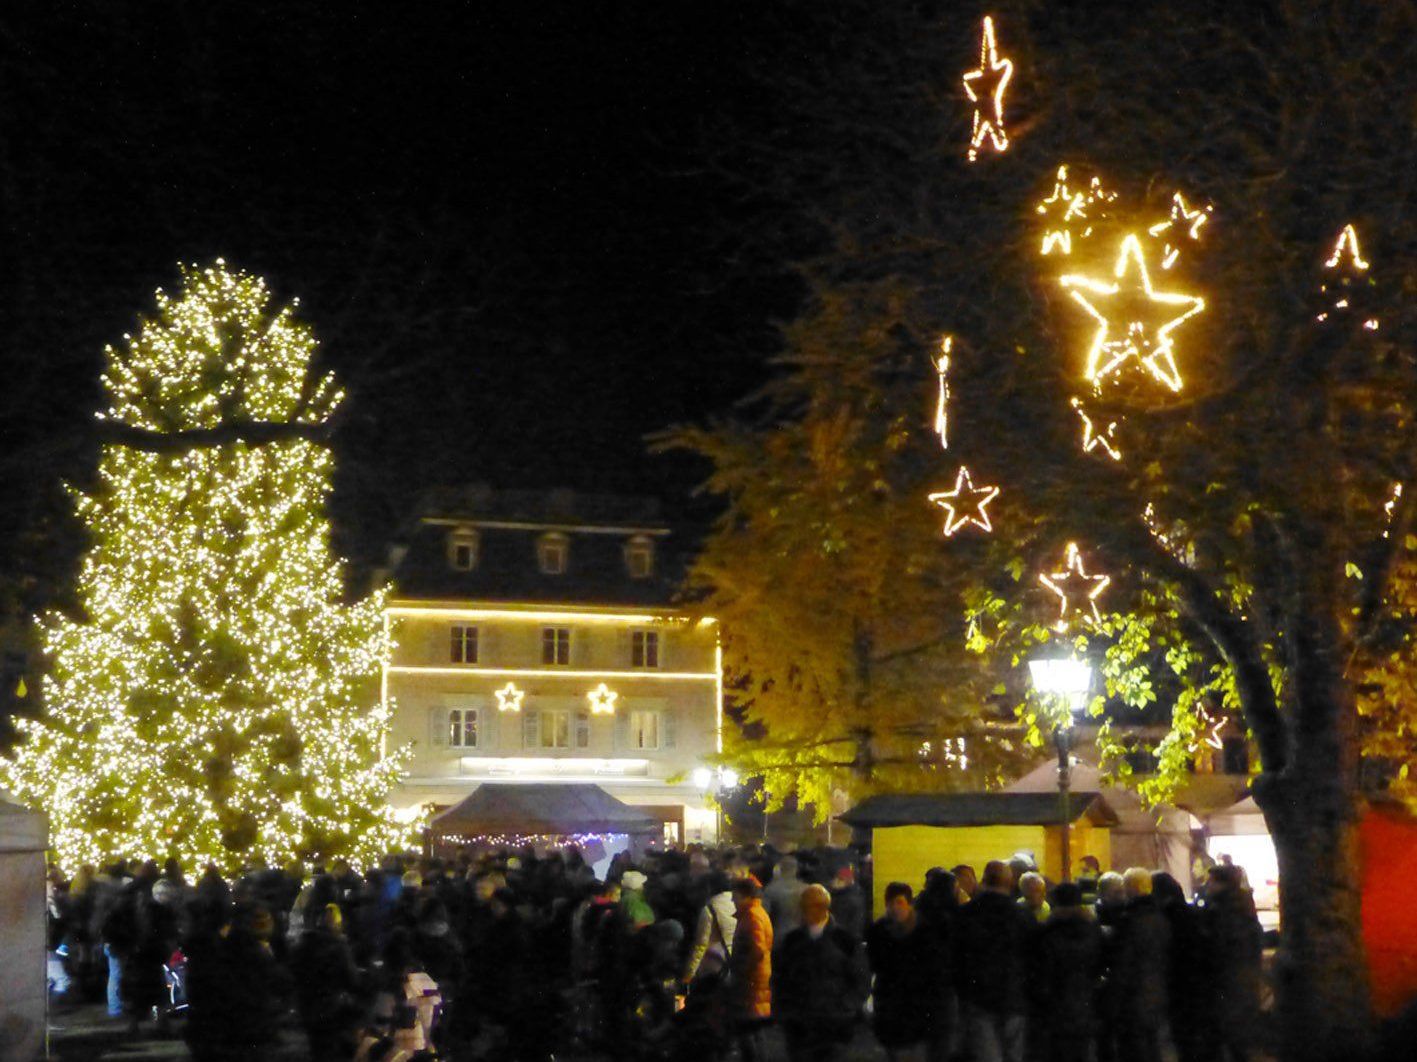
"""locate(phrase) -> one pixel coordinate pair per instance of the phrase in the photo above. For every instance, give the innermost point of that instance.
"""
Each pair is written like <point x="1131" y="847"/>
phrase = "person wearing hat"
<point x="750" y="968"/>
<point x="1065" y="974"/>
<point x="638" y="912"/>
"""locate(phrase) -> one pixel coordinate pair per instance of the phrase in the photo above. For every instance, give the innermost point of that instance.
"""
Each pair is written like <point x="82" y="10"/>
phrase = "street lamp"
<point x="1070" y="678"/>
<point x="715" y="784"/>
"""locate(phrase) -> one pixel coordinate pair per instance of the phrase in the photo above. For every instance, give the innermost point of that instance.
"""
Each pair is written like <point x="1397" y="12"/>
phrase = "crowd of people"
<point x="528" y="955"/>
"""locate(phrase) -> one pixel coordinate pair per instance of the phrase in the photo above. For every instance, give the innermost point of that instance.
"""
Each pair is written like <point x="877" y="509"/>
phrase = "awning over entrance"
<point x="541" y="810"/>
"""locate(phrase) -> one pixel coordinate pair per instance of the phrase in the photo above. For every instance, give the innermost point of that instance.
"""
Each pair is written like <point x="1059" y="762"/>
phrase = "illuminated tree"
<point x="213" y="698"/>
<point x="1256" y="421"/>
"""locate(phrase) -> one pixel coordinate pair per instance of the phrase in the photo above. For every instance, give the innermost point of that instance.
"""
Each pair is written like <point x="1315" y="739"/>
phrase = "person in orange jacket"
<point x="750" y="968"/>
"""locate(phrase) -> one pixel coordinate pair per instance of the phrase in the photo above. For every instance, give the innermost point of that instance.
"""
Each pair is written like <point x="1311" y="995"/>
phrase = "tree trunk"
<point x="1321" y="973"/>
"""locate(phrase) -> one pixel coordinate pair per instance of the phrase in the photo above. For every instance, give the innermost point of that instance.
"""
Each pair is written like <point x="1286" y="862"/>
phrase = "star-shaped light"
<point x="602" y="700"/>
<point x="1182" y="217"/>
<point x="1092" y="438"/>
<point x="965" y="504"/>
<point x="1076" y="589"/>
<point x="1347" y="246"/>
<point x="1071" y="207"/>
<point x="942" y="372"/>
<point x="1205" y="720"/>
<point x="509" y="698"/>
<point x="985" y="87"/>
<point x="1134" y="319"/>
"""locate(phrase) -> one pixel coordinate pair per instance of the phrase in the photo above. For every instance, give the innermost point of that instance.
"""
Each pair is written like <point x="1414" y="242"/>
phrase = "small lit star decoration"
<point x="1072" y="208"/>
<point x="1213" y="726"/>
<point x="509" y="698"/>
<point x="1134" y="319"/>
<point x="942" y="403"/>
<point x="985" y="88"/>
<point x="1347" y="259"/>
<point x="1183" y="220"/>
<point x="602" y="700"/>
<point x="1077" y="591"/>
<point x="965" y="504"/>
<point x="1095" y="439"/>
<point x="1391" y="504"/>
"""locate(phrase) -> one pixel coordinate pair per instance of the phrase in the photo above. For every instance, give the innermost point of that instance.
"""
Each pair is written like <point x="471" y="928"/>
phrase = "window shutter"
<point x="663" y="661"/>
<point x="531" y="728"/>
<point x="622" y="728"/>
<point x="582" y="730"/>
<point x="438" y="727"/>
<point x="489" y="724"/>
<point x="668" y="730"/>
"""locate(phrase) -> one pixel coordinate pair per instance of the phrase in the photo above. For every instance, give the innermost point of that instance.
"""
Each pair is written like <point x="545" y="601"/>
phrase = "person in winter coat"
<point x="993" y="933"/>
<point x="819" y="982"/>
<point x="783" y="898"/>
<point x="848" y="902"/>
<point x="937" y="906"/>
<point x="750" y="968"/>
<point x="638" y="912"/>
<point x="1109" y="909"/>
<point x="326" y="986"/>
<point x="1191" y="1014"/>
<point x="1033" y="896"/>
<point x="236" y="990"/>
<point x="1141" y="962"/>
<point x="1234" y="942"/>
<point x="1066" y="966"/>
<point x="907" y="968"/>
<point x="713" y="931"/>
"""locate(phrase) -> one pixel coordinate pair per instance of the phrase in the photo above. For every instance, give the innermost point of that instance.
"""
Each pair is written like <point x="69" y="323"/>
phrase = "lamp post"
<point x="1071" y="678"/>
<point x="714" y="785"/>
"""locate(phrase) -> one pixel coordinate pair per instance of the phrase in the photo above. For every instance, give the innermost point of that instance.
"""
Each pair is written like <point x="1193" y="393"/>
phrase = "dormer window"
<point x="552" y="552"/>
<point x="639" y="557"/>
<point x="462" y="549"/>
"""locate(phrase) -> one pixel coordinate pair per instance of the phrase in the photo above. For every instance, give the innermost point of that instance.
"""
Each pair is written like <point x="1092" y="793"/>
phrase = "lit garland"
<point x="1092" y="439"/>
<point x="1347" y="258"/>
<point x="1087" y="207"/>
<point x="1076" y="589"/>
<point x="521" y="840"/>
<point x="602" y="700"/>
<point x="1182" y="218"/>
<point x="942" y="402"/>
<point x="1134" y="320"/>
<point x="965" y="504"/>
<point x="985" y="88"/>
<point x="509" y="698"/>
<point x="217" y="702"/>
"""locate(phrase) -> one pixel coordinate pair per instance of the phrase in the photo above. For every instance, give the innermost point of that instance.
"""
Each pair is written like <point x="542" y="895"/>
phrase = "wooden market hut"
<point x="910" y="833"/>
<point x="24" y="836"/>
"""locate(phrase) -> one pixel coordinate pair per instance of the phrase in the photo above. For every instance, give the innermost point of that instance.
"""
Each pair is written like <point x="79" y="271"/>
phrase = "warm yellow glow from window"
<point x="1076" y="590"/>
<point x="1134" y="319"/>
<point x="965" y="504"/>
<point x="985" y="88"/>
<point x="536" y="614"/>
<point x="555" y="673"/>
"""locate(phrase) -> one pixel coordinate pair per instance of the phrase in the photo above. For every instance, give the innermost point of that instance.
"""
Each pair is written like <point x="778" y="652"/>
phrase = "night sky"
<point x="501" y="219"/>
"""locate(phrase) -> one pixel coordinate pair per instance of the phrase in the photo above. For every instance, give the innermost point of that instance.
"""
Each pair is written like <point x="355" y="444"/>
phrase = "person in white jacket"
<point x="713" y="934"/>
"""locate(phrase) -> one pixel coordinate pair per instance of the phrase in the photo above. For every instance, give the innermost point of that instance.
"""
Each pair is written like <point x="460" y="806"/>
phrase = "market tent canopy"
<point x="978" y="809"/>
<point x="540" y="809"/>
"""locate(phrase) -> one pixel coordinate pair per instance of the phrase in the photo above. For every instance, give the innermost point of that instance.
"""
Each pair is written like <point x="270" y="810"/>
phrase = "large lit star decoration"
<point x="1076" y="590"/>
<point x="1183" y="221"/>
<point x="942" y="402"/>
<point x="509" y="698"/>
<point x="1347" y="264"/>
<point x="1064" y="209"/>
<point x="965" y="504"/>
<point x="985" y="88"/>
<point x="1095" y="435"/>
<point x="1134" y="319"/>
<point x="602" y="700"/>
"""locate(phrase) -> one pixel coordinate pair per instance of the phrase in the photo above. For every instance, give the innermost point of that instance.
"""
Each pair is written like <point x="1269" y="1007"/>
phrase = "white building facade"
<point x="537" y="640"/>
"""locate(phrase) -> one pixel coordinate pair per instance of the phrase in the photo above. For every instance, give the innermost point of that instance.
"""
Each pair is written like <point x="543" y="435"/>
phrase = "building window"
<point x="644" y="648"/>
<point x="462" y="727"/>
<point x="551" y="553"/>
<point x="556" y="728"/>
<point x="644" y="730"/>
<point x="462" y="550"/>
<point x="464" y="645"/>
<point x="556" y="646"/>
<point x="639" y="557"/>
